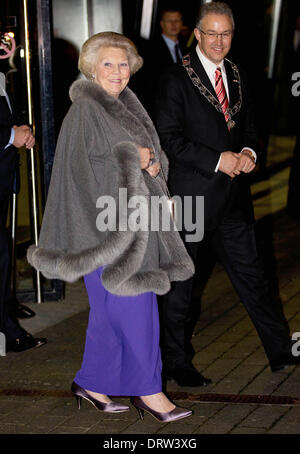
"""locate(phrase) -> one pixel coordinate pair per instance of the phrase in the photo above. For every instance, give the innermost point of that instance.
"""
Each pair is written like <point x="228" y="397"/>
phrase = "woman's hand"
<point x="154" y="169"/>
<point x="146" y="154"/>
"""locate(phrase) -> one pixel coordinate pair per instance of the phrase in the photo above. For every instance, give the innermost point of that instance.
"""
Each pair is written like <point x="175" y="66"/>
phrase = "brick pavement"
<point x="35" y="396"/>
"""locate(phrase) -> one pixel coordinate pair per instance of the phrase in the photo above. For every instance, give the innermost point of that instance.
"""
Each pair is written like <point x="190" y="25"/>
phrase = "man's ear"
<point x="197" y="34"/>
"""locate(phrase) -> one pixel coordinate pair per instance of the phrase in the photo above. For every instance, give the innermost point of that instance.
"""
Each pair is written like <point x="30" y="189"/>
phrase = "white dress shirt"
<point x="210" y="69"/>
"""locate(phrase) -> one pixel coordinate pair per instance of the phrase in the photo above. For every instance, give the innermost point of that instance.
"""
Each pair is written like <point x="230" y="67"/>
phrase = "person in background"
<point x="12" y="137"/>
<point x="169" y="48"/>
<point x="296" y="39"/>
<point x="159" y="54"/>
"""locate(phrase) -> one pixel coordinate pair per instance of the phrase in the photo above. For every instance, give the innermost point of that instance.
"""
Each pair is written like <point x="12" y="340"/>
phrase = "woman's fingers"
<point x="154" y="169"/>
<point x="144" y="156"/>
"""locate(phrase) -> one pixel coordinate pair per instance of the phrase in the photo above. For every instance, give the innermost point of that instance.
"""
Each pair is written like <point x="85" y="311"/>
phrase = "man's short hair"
<point x="169" y="10"/>
<point x="214" y="8"/>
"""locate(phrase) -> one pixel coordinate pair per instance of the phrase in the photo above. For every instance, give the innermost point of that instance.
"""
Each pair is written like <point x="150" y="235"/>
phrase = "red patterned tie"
<point x="221" y="93"/>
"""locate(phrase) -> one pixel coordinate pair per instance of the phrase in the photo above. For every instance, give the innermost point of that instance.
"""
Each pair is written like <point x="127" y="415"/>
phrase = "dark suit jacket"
<point x="157" y="59"/>
<point x="7" y="156"/>
<point x="193" y="134"/>
<point x="160" y="55"/>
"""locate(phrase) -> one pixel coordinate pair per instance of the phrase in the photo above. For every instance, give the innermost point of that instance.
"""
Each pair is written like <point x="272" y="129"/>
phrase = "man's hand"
<point x="23" y="136"/>
<point x="233" y="163"/>
<point x="229" y="163"/>
<point x="246" y="162"/>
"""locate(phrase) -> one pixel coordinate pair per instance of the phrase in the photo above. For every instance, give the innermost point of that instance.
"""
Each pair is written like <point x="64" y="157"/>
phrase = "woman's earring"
<point x="93" y="77"/>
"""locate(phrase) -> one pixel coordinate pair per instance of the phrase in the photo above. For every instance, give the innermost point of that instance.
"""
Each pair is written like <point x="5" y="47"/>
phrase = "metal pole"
<point x="274" y="36"/>
<point x="33" y="175"/>
<point x="13" y="244"/>
<point x="47" y="132"/>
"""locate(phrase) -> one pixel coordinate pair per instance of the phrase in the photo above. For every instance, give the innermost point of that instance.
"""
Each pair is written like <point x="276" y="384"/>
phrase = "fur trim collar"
<point x="126" y="109"/>
<point x="135" y="261"/>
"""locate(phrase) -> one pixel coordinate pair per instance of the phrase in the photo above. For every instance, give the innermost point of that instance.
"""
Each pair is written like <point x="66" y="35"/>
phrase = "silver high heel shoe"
<point x="111" y="407"/>
<point x="173" y="415"/>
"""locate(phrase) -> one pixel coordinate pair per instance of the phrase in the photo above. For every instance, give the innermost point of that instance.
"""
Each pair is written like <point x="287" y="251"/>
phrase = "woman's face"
<point x="112" y="70"/>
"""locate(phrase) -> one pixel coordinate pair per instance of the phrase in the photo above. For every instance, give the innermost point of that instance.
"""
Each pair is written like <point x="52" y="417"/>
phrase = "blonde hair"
<point x="90" y="50"/>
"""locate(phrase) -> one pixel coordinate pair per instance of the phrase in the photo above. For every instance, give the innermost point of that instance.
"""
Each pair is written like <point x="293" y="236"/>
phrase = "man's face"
<point x="171" y="24"/>
<point x="215" y="48"/>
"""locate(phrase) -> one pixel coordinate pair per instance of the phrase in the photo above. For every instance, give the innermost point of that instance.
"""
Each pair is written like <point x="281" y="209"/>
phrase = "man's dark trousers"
<point x="233" y="242"/>
<point x="8" y="162"/>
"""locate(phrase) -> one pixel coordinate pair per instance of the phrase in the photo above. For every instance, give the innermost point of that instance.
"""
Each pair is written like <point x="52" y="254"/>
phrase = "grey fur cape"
<point x="96" y="155"/>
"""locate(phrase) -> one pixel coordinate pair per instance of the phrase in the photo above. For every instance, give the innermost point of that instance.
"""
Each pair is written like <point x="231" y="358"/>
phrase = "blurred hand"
<point x="154" y="169"/>
<point x="23" y="136"/>
<point x="229" y="163"/>
<point x="30" y="141"/>
<point x="246" y="162"/>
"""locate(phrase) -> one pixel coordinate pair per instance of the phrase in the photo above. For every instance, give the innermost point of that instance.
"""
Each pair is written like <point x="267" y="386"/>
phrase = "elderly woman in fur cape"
<point x="108" y="156"/>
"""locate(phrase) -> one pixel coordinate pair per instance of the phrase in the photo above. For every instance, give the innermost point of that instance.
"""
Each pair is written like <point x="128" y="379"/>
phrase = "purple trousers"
<point x="122" y="355"/>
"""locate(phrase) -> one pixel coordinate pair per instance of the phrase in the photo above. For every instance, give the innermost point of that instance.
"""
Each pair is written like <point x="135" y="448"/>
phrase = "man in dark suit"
<point x="168" y="48"/>
<point x="11" y="138"/>
<point x="205" y="121"/>
<point x="161" y="53"/>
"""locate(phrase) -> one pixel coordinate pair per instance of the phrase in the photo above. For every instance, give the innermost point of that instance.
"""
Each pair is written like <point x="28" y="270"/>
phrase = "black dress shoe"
<point x="283" y="361"/>
<point x="25" y="342"/>
<point x="21" y="311"/>
<point x="187" y="377"/>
